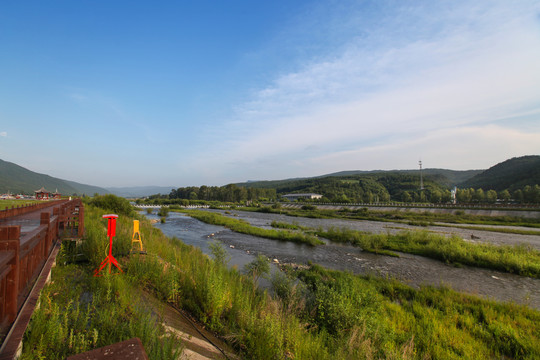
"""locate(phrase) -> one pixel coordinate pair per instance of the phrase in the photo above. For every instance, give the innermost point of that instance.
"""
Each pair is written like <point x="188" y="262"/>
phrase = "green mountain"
<point x="369" y="186"/>
<point x="443" y="176"/>
<point x="16" y="179"/>
<point x="511" y="174"/>
<point x="140" y="191"/>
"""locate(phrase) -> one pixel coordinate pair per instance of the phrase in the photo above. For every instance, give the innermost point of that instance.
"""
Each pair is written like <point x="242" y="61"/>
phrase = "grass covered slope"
<point x="16" y="179"/>
<point x="331" y="315"/>
<point x="435" y="323"/>
<point x="511" y="174"/>
<point x="313" y="314"/>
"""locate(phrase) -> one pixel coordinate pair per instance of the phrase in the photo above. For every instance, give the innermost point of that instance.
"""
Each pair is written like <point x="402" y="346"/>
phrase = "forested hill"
<point x="447" y="177"/>
<point x="16" y="179"/>
<point x="444" y="177"/>
<point x="511" y="174"/>
<point x="404" y="185"/>
<point x="367" y="186"/>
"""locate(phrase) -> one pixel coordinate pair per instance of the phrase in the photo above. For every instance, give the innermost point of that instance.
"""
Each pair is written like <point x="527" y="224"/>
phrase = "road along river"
<point x="410" y="269"/>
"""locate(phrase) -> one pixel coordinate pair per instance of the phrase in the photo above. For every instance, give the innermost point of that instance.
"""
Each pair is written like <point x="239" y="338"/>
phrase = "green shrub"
<point x="163" y="211"/>
<point x="113" y="203"/>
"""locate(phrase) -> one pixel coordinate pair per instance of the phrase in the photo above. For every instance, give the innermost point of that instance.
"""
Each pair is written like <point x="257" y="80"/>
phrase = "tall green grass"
<point x="313" y="314"/>
<point x="424" y="218"/>
<point x="321" y="314"/>
<point x="519" y="259"/>
<point x="243" y="227"/>
<point x="6" y="204"/>
<point x="79" y="312"/>
<point x="435" y="323"/>
<point x="284" y="225"/>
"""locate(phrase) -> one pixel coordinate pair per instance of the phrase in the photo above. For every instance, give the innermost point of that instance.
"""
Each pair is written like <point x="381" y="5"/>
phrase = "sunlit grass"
<point x="243" y="227"/>
<point x="424" y="218"/>
<point x="79" y="312"/>
<point x="8" y="204"/>
<point x="314" y="313"/>
<point x="518" y="259"/>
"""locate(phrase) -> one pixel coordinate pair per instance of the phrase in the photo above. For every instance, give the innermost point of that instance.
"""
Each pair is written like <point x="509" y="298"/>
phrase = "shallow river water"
<point x="411" y="269"/>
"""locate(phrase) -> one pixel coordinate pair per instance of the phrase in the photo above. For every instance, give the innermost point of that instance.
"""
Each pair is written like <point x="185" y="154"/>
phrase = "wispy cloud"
<point x="457" y="68"/>
<point x="3" y="133"/>
<point x="78" y="97"/>
<point x="446" y="145"/>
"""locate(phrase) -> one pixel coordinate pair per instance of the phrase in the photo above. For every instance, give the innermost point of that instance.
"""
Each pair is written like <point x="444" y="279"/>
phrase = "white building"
<point x="293" y="197"/>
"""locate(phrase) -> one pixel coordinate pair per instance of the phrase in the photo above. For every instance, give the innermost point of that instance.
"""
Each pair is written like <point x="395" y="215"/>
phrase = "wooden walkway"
<point x="28" y="248"/>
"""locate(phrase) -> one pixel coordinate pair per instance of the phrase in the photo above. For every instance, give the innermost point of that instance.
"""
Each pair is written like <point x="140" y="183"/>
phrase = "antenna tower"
<point x="421" y="179"/>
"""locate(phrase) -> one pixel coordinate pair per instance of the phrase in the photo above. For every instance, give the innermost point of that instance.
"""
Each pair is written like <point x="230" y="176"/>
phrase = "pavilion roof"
<point x="42" y="190"/>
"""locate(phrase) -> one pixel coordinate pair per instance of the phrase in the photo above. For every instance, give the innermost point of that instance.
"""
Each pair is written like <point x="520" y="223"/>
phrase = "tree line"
<point x="363" y="190"/>
<point x="227" y="193"/>
<point x="526" y="195"/>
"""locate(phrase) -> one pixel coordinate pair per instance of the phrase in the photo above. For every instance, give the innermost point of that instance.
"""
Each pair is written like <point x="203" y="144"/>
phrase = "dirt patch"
<point x="199" y="343"/>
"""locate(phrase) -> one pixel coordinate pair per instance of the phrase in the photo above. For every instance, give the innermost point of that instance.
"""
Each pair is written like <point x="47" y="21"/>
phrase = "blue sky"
<point x="178" y="93"/>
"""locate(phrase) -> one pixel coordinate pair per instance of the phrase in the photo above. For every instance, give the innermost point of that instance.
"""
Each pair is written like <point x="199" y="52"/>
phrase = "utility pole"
<point x="421" y="179"/>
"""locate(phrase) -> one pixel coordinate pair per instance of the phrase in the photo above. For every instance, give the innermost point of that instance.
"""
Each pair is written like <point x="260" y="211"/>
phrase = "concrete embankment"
<point x="528" y="214"/>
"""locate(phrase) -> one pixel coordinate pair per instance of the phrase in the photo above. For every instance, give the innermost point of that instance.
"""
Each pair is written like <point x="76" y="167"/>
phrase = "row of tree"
<point x="227" y="193"/>
<point x="357" y="191"/>
<point x="526" y="195"/>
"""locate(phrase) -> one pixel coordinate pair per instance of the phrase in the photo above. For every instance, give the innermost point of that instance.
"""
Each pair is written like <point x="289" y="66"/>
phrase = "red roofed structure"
<point x="56" y="195"/>
<point x="42" y="194"/>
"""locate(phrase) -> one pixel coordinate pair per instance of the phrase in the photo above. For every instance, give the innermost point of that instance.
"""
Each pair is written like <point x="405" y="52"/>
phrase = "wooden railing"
<point x="23" y="255"/>
<point x="23" y="209"/>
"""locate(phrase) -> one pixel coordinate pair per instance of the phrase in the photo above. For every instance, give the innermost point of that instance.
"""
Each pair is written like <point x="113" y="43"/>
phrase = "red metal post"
<point x="111" y="232"/>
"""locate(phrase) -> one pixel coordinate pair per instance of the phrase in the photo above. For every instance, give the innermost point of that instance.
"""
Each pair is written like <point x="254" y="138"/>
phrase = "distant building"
<point x="293" y="197"/>
<point x="7" y="196"/>
<point x="56" y="195"/>
<point x="42" y="194"/>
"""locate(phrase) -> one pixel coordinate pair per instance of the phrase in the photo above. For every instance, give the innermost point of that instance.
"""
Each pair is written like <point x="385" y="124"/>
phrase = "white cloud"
<point x="480" y="67"/>
<point x="440" y="149"/>
<point x="78" y="97"/>
<point x="3" y="134"/>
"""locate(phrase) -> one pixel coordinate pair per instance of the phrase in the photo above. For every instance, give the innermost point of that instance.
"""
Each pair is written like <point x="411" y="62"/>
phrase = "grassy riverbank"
<point x="408" y="217"/>
<point x="330" y="314"/>
<point x="7" y="204"/>
<point x="435" y="323"/>
<point x="79" y="312"/>
<point x="313" y="314"/>
<point x="243" y="227"/>
<point x="517" y="259"/>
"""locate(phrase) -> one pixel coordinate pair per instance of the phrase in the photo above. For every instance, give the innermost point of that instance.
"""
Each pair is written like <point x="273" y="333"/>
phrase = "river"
<point x="410" y="269"/>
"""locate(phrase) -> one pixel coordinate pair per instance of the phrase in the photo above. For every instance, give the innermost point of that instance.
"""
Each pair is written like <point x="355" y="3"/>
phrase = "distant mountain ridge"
<point x="403" y="185"/>
<point x="140" y="191"/>
<point x="453" y="177"/>
<point x="444" y="177"/>
<point x="511" y="174"/>
<point x="17" y="179"/>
